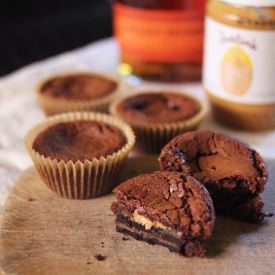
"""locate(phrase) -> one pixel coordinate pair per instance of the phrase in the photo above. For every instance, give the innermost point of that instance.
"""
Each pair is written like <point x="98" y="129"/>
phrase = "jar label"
<point x="239" y="64"/>
<point x="159" y="35"/>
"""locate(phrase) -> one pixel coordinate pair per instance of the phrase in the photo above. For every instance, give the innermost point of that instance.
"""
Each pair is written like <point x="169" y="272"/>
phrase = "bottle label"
<point x="239" y="64"/>
<point x="166" y="36"/>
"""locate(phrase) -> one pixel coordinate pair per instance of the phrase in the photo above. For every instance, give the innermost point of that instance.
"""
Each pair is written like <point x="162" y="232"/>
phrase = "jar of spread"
<point x="160" y="39"/>
<point x="239" y="62"/>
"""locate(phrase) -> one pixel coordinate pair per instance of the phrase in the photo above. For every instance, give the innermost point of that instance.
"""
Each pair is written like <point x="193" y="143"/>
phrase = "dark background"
<point x="31" y="30"/>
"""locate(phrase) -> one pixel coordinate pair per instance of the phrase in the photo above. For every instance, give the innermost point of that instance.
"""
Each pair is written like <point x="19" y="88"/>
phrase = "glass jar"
<point x="160" y="39"/>
<point x="239" y="62"/>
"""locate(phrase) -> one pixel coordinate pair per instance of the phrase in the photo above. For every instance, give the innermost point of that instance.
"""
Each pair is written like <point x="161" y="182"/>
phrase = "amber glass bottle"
<point x="160" y="39"/>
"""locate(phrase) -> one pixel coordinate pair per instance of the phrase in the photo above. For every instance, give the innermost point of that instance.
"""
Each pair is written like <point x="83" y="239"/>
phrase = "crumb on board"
<point x="100" y="257"/>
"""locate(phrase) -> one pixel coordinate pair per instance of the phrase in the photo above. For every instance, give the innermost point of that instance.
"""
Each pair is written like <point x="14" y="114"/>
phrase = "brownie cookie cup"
<point x="166" y="208"/>
<point x="157" y="117"/>
<point x="77" y="92"/>
<point x="233" y="172"/>
<point x="79" y="155"/>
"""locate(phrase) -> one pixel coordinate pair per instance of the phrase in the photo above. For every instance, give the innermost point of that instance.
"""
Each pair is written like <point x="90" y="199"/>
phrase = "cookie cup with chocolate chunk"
<point x="158" y="116"/>
<point x="80" y="91"/>
<point x="79" y="155"/>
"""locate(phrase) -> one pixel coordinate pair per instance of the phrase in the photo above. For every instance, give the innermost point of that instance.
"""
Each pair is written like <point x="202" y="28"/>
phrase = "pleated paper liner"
<point x="52" y="106"/>
<point x="80" y="179"/>
<point x="150" y="138"/>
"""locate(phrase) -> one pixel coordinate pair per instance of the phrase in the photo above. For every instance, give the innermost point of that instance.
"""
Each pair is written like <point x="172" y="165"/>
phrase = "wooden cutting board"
<point x="44" y="234"/>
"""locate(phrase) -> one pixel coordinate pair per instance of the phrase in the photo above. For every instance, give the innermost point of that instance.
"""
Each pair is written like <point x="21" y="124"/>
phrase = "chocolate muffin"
<point x="79" y="155"/>
<point x="157" y="117"/>
<point x="233" y="172"/>
<point x="79" y="140"/>
<point x="165" y="208"/>
<point x="77" y="92"/>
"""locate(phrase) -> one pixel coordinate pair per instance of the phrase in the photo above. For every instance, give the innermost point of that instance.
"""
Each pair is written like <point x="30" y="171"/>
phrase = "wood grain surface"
<point x="44" y="234"/>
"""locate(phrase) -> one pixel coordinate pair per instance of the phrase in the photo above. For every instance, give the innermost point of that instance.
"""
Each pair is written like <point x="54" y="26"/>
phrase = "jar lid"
<point x="252" y="3"/>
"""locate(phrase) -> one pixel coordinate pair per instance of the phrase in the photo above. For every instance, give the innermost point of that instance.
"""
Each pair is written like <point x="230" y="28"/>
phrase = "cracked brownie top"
<point x="79" y="140"/>
<point x="158" y="107"/>
<point x="215" y="159"/>
<point x="78" y="86"/>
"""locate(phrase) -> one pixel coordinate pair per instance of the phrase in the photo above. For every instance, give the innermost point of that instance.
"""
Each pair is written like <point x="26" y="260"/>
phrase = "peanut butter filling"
<point x="147" y="223"/>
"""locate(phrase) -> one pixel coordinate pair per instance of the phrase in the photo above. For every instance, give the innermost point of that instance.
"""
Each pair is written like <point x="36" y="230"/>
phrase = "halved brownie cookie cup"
<point x="82" y="91"/>
<point x="79" y="155"/>
<point x="166" y="208"/>
<point x="233" y="172"/>
<point x="157" y="117"/>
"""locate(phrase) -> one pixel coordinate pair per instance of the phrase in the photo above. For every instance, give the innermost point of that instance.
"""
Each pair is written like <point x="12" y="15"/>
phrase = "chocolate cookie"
<point x="233" y="172"/>
<point x="166" y="208"/>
